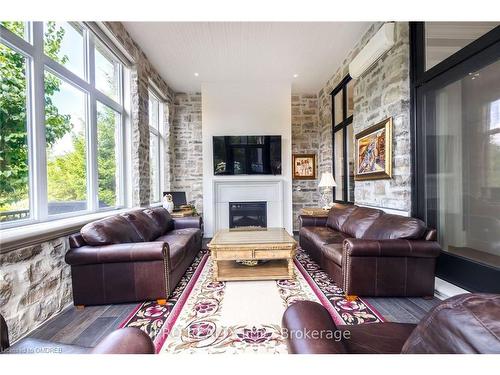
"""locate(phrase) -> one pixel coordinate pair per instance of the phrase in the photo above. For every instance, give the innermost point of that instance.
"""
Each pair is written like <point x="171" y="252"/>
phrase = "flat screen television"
<point x="252" y="154"/>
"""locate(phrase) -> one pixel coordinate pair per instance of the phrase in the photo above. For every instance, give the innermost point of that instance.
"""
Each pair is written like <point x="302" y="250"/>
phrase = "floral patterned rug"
<point x="204" y="316"/>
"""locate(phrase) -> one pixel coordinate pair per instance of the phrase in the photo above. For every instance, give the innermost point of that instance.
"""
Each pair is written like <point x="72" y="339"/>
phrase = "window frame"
<point x="342" y="126"/>
<point x="37" y="63"/>
<point x="465" y="272"/>
<point x="159" y="134"/>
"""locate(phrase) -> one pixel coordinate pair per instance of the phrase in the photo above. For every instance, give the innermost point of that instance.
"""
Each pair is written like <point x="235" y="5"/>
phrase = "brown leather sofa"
<point x="370" y="253"/>
<point x="128" y="340"/>
<point x="467" y="323"/>
<point x="140" y="255"/>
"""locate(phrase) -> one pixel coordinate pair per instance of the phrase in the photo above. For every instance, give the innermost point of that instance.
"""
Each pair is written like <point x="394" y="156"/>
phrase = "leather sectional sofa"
<point x="137" y="256"/>
<point x="370" y="253"/>
<point x="467" y="323"/>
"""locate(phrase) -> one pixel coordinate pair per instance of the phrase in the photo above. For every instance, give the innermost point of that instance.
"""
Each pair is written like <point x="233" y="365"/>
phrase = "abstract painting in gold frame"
<point x="373" y="152"/>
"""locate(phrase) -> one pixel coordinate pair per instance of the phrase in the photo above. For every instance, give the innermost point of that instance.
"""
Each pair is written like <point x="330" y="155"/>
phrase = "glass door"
<point x="458" y="168"/>
<point x="463" y="146"/>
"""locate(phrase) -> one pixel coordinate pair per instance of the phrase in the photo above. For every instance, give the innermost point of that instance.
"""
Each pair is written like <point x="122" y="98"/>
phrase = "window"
<point x="65" y="135"/>
<point x="343" y="141"/>
<point x="20" y="28"/>
<point x="14" y="153"/>
<point x="108" y="155"/>
<point x="457" y="153"/>
<point x="156" y="146"/>
<point x="64" y="43"/>
<point x="107" y="72"/>
<point x="443" y="39"/>
<point x="62" y="123"/>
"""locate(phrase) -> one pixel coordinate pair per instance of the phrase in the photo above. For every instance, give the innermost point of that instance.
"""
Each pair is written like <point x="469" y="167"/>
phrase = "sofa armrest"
<point x="309" y="329"/>
<point x="4" y="335"/>
<point x="119" y="253"/>
<point x="128" y="340"/>
<point x="312" y="221"/>
<point x="391" y="248"/>
<point x="188" y="222"/>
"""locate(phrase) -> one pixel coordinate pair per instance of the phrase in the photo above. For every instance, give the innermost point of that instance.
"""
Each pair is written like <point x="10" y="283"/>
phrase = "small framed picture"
<point x="373" y="152"/>
<point x="304" y="166"/>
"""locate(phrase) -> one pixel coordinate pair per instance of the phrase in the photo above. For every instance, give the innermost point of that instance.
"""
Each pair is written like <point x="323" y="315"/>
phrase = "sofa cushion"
<point x="162" y="218"/>
<point x="179" y="241"/>
<point x="111" y="230"/>
<point x="360" y="220"/>
<point x="333" y="252"/>
<point x="393" y="227"/>
<point x="322" y="235"/>
<point x="338" y="215"/>
<point x="147" y="228"/>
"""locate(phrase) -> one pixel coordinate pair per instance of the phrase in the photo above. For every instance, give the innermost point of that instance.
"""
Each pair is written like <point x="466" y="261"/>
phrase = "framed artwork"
<point x="304" y="166"/>
<point x="373" y="152"/>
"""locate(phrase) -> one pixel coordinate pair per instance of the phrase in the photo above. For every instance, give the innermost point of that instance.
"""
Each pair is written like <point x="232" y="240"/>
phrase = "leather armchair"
<point x="133" y="257"/>
<point x="467" y="323"/>
<point x="121" y="341"/>
<point x="370" y="253"/>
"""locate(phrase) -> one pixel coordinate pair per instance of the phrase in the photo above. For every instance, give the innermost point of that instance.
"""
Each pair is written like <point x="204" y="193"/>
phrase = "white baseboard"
<point x="444" y="289"/>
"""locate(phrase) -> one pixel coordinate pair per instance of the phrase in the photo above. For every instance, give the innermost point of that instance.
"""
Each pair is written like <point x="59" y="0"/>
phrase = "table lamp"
<point x="327" y="182"/>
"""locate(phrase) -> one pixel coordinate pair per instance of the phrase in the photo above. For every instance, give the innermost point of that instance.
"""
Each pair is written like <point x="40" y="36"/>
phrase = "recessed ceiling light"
<point x="295" y="75"/>
<point x="196" y="74"/>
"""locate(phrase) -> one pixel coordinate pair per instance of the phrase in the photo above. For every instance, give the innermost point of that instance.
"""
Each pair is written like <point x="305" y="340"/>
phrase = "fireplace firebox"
<point x="247" y="214"/>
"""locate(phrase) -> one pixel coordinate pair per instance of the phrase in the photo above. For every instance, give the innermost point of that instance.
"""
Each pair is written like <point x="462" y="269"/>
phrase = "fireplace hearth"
<point x="247" y="214"/>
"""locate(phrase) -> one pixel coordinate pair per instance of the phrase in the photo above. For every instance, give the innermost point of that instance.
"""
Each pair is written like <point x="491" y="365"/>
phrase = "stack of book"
<point x="314" y="211"/>
<point x="183" y="212"/>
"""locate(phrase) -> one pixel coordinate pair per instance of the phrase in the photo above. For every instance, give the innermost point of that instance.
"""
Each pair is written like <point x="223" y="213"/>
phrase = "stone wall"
<point x="35" y="284"/>
<point x="186" y="146"/>
<point x="383" y="91"/>
<point x="305" y="140"/>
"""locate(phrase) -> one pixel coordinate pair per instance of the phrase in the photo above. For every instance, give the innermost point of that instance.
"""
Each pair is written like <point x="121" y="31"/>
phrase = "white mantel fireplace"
<point x="263" y="190"/>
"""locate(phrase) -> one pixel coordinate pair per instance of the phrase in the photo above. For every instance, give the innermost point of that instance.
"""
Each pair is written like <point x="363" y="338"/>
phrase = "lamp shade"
<point x="327" y="180"/>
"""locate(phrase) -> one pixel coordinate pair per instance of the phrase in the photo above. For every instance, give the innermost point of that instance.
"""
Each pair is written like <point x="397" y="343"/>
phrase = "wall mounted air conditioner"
<point x="378" y="45"/>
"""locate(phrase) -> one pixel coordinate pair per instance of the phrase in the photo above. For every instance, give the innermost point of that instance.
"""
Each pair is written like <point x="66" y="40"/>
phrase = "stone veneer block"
<point x="35" y="284"/>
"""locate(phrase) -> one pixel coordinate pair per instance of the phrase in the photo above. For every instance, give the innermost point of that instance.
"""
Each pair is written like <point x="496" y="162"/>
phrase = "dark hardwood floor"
<point x="88" y="326"/>
<point x="84" y="327"/>
<point x="402" y="310"/>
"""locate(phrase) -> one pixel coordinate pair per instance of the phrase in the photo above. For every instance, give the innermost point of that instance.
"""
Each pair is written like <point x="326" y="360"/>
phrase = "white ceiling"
<point x="242" y="51"/>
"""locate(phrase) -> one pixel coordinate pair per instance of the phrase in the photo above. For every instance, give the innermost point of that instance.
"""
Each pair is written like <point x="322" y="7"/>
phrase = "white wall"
<point x="245" y="108"/>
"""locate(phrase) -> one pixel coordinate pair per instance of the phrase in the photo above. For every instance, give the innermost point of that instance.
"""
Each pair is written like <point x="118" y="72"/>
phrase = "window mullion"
<point x="120" y="143"/>
<point x="39" y="166"/>
<point x="92" y="167"/>
<point x="104" y="99"/>
<point x="159" y="164"/>
<point x="126" y="142"/>
<point x="344" y="142"/>
<point x="16" y="42"/>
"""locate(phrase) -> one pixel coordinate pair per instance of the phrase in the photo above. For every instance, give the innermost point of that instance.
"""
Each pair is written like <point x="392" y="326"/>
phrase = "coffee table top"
<point x="228" y="237"/>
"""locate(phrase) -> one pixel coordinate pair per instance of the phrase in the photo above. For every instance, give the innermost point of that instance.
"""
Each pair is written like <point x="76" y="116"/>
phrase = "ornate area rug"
<point x="204" y="316"/>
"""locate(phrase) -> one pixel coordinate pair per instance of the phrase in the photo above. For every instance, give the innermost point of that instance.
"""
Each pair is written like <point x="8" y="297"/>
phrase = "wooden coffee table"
<point x="272" y="245"/>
